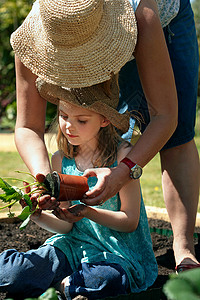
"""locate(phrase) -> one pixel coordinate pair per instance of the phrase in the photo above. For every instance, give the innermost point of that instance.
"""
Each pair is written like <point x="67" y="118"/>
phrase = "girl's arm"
<point x="125" y="220"/>
<point x="30" y="123"/>
<point x="49" y="221"/>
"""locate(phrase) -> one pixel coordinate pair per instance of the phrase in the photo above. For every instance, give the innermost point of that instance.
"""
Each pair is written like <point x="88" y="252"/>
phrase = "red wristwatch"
<point x="135" y="170"/>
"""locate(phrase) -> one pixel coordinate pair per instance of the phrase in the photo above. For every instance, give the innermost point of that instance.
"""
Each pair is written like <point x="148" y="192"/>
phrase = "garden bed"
<point x="33" y="236"/>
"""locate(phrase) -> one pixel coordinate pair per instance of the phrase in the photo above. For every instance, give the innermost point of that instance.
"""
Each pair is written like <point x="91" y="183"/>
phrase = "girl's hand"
<point x="73" y="214"/>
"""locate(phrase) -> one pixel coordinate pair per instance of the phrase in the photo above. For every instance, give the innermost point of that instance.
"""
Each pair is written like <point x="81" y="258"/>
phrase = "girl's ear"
<point x="105" y="122"/>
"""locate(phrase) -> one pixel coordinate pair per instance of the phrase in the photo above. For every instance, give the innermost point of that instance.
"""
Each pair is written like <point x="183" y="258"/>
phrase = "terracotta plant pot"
<point x="66" y="187"/>
<point x="72" y="187"/>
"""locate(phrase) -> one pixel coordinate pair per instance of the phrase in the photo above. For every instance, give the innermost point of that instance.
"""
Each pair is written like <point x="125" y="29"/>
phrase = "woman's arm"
<point x="158" y="84"/>
<point x="30" y="123"/>
<point x="157" y="79"/>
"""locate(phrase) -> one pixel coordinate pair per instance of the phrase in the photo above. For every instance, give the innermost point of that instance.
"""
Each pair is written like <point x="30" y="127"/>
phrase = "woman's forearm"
<point x="32" y="149"/>
<point x="30" y="123"/>
<point x="153" y="139"/>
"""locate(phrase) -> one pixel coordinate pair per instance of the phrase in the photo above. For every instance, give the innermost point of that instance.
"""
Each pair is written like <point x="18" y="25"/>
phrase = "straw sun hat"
<point x="93" y="98"/>
<point x="76" y="43"/>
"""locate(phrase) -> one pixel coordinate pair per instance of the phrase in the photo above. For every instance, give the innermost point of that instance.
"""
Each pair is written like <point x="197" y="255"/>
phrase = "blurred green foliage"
<point x="184" y="286"/>
<point x="12" y="14"/>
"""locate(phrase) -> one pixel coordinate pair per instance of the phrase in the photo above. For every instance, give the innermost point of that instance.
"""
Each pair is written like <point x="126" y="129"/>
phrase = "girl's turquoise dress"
<point x="91" y="242"/>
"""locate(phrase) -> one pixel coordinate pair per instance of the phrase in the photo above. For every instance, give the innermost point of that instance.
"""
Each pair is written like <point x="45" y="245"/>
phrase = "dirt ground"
<point x="33" y="236"/>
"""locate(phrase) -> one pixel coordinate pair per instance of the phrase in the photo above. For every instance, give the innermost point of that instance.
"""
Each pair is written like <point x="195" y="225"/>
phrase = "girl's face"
<point x="79" y="125"/>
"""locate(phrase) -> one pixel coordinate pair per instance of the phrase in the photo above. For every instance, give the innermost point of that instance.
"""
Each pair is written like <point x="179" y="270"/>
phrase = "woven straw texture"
<point x="92" y="98"/>
<point x="76" y="43"/>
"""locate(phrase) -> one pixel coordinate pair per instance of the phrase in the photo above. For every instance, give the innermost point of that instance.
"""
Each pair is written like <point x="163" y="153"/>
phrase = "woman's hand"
<point x="110" y="181"/>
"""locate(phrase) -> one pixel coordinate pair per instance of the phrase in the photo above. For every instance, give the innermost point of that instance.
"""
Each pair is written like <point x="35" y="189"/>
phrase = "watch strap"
<point x="128" y="162"/>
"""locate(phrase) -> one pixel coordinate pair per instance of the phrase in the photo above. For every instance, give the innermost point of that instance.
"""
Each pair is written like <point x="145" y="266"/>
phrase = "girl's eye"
<point x="82" y="122"/>
<point x="64" y="117"/>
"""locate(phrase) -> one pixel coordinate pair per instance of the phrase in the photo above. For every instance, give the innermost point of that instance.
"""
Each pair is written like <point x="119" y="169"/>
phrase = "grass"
<point x="151" y="183"/>
<point x="150" y="180"/>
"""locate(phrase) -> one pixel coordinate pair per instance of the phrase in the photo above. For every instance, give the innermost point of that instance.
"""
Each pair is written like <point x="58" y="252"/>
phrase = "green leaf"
<point x="174" y="287"/>
<point x="184" y="286"/>
<point x="25" y="213"/>
<point x="10" y="214"/>
<point x="50" y="294"/>
<point x="10" y="197"/>
<point x="6" y="187"/>
<point x="27" y="200"/>
<point x="11" y="192"/>
<point x="193" y="277"/>
<point x="25" y="223"/>
<point x="4" y="197"/>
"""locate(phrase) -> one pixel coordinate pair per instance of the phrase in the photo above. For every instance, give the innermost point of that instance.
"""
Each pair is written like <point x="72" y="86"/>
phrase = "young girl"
<point x="98" y="251"/>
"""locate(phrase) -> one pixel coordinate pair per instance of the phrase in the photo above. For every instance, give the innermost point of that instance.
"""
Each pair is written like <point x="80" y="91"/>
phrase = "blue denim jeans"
<point x="97" y="281"/>
<point x="182" y="45"/>
<point x="29" y="274"/>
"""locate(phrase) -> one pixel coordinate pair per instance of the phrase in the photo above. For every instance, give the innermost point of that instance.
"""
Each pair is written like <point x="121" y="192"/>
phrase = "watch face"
<point x="136" y="172"/>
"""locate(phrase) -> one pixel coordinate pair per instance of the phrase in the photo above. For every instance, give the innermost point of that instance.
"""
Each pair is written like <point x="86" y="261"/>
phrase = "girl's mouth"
<point x="71" y="135"/>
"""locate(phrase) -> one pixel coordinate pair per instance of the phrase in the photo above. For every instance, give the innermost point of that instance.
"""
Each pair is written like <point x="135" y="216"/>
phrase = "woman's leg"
<point x="181" y="176"/>
<point x="29" y="274"/>
<point x="179" y="159"/>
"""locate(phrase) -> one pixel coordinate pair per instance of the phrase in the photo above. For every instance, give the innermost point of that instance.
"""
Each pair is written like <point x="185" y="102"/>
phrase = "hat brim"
<point x="55" y="94"/>
<point x="110" y="47"/>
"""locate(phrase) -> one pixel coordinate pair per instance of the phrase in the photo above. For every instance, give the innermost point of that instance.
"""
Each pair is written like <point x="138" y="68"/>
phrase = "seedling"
<point x="63" y="187"/>
<point x="13" y="195"/>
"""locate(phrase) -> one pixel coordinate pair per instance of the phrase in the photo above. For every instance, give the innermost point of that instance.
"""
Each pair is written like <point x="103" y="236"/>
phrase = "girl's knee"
<point x="99" y="280"/>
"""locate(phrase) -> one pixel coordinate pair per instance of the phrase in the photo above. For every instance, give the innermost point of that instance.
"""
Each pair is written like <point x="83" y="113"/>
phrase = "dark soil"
<point x="33" y="236"/>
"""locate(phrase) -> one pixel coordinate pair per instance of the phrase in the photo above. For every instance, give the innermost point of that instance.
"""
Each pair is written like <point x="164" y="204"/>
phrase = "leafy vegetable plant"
<point x="13" y="194"/>
<point x="184" y="286"/>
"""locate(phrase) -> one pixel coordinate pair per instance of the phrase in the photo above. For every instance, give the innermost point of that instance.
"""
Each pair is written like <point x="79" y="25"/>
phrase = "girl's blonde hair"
<point x="108" y="140"/>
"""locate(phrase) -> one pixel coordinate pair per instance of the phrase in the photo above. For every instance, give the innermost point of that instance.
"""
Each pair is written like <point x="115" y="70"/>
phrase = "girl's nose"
<point x="69" y="125"/>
